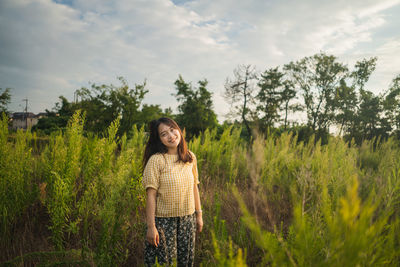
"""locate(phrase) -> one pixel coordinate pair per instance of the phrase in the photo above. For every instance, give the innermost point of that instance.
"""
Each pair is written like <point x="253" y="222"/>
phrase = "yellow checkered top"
<point x="174" y="184"/>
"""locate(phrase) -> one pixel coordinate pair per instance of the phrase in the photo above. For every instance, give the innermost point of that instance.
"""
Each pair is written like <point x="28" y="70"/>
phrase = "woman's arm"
<point x="197" y="205"/>
<point x="152" y="233"/>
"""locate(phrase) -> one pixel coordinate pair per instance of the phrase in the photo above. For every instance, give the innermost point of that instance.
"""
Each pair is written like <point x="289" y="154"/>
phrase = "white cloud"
<point x="56" y="48"/>
<point x="376" y="7"/>
<point x="388" y="66"/>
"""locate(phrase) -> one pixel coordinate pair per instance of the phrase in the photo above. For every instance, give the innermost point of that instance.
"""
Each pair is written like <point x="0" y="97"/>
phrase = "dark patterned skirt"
<point x="177" y="239"/>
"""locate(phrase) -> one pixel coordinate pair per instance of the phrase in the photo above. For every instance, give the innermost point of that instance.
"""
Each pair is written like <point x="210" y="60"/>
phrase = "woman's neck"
<point x="172" y="151"/>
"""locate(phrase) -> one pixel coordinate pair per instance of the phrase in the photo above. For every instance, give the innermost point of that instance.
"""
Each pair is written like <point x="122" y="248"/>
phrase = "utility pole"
<point x="76" y="96"/>
<point x="26" y="113"/>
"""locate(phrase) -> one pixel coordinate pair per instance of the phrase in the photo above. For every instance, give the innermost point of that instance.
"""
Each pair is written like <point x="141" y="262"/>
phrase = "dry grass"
<point x="277" y="201"/>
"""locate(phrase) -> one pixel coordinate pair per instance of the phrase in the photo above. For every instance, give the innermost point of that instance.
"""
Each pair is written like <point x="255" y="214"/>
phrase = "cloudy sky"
<point x="51" y="48"/>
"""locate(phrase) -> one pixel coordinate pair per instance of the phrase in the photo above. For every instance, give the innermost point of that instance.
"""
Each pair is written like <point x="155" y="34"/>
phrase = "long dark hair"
<point x="154" y="144"/>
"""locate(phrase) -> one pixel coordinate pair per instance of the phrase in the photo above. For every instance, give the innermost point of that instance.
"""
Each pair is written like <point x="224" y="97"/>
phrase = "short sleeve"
<point x="194" y="169"/>
<point x="151" y="173"/>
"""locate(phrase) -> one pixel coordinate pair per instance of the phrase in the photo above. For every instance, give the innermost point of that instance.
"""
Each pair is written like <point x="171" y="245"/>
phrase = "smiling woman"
<point x="173" y="209"/>
<point x="170" y="137"/>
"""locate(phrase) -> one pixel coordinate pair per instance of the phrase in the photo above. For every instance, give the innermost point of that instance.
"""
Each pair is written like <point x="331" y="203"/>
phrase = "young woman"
<point x="173" y="209"/>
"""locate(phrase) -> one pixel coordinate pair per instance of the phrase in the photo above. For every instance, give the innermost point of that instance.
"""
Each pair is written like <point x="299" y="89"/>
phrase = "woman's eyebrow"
<point x="165" y="131"/>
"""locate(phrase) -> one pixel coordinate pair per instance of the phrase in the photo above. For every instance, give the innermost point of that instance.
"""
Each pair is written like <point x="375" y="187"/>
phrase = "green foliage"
<point x="369" y="123"/>
<point x="196" y="107"/>
<point x="63" y="158"/>
<point x="224" y="158"/>
<point x="50" y="258"/>
<point x="362" y="71"/>
<point x="5" y="98"/>
<point x="331" y="224"/>
<point x="228" y="259"/>
<point x="345" y="102"/>
<point x="239" y="93"/>
<point x="391" y="105"/>
<point x="105" y="103"/>
<point x="51" y="123"/>
<point x="151" y="112"/>
<point x="102" y="104"/>
<point x="269" y="96"/>
<point x="317" y="77"/>
<point x="57" y="119"/>
<point x="266" y="240"/>
<point x="274" y="96"/>
<point x="333" y="99"/>
<point x="17" y="190"/>
<point x="89" y="193"/>
<point x="355" y="236"/>
<point x="226" y="253"/>
<point x="293" y="203"/>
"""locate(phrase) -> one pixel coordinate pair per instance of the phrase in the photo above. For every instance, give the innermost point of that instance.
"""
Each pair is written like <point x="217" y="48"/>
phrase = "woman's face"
<point x="169" y="136"/>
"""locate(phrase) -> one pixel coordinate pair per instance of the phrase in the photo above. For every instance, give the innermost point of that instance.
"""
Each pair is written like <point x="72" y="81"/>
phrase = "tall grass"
<point x="336" y="216"/>
<point x="90" y="190"/>
<point x="273" y="202"/>
<point x="17" y="189"/>
<point x="224" y="158"/>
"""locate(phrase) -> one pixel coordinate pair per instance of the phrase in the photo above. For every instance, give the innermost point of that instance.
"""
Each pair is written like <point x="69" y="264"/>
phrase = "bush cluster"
<point x="274" y="201"/>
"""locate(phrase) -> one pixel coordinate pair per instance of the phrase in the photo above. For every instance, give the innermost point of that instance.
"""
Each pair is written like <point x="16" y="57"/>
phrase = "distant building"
<point x="24" y="120"/>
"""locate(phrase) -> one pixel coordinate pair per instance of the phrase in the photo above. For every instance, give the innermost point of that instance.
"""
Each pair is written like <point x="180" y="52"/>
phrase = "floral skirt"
<point x="177" y="239"/>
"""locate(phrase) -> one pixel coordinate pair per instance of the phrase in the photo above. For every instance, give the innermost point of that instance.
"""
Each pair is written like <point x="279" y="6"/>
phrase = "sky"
<point x="52" y="48"/>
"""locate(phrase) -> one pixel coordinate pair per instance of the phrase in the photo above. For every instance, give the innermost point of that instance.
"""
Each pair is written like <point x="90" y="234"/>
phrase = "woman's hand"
<point x="199" y="222"/>
<point x="197" y="205"/>
<point x="152" y="236"/>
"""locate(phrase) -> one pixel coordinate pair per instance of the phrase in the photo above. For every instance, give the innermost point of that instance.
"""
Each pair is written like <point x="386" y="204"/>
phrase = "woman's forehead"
<point x="164" y="127"/>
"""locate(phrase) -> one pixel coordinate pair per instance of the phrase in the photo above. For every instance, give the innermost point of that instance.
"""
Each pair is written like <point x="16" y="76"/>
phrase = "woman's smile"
<point x="169" y="136"/>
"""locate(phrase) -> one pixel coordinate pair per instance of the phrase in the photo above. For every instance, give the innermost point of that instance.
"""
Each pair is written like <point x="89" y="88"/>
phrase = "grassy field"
<point x="77" y="200"/>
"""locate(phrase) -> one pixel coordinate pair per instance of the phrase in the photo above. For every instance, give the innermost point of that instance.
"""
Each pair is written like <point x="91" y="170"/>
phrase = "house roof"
<point x="23" y="115"/>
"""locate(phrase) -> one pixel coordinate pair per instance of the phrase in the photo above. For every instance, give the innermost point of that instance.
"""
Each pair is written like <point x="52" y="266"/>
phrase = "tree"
<point x="240" y="92"/>
<point x="57" y="118"/>
<point x="5" y="99"/>
<point x="287" y="95"/>
<point x="95" y="104"/>
<point x="369" y="122"/>
<point x="269" y="96"/>
<point x="345" y="102"/>
<point x="196" y="107"/>
<point x="391" y="105"/>
<point x="317" y="77"/>
<point x="274" y="97"/>
<point x="104" y="103"/>
<point x="362" y="72"/>
<point x="347" y="99"/>
<point x="127" y="102"/>
<point x="152" y="112"/>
